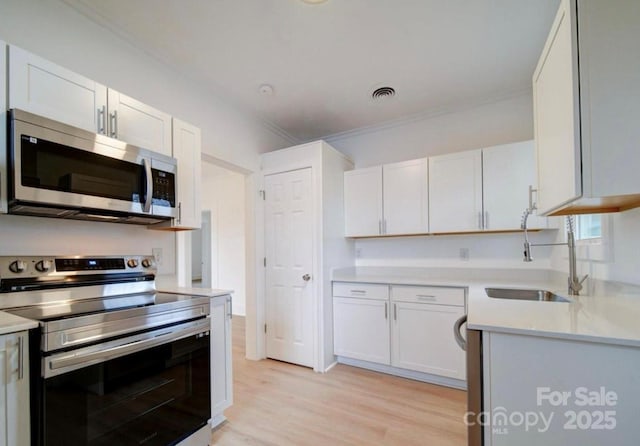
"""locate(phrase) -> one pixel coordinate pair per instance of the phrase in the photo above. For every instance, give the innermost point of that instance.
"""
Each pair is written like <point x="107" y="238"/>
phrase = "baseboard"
<point x="332" y="365"/>
<point x="217" y="420"/>
<point x="404" y="373"/>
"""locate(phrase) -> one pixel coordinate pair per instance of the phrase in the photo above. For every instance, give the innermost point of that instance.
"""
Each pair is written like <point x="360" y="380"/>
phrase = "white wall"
<point x="223" y="193"/>
<point x="53" y="30"/>
<point x="491" y="124"/>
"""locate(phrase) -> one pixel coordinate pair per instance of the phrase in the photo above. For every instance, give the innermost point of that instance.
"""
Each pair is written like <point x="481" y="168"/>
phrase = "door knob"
<point x="306" y="277"/>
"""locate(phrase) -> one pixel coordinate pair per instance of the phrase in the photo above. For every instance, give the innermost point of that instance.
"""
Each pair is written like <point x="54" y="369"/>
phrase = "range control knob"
<point x="147" y="263"/>
<point x="132" y="263"/>
<point x="18" y="266"/>
<point x="43" y="266"/>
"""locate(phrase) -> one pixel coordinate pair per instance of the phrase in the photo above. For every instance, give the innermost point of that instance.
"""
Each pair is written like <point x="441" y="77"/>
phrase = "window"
<point x="589" y="227"/>
<point x="593" y="237"/>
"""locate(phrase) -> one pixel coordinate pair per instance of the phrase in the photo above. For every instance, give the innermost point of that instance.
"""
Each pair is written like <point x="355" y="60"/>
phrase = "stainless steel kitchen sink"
<point x="517" y="294"/>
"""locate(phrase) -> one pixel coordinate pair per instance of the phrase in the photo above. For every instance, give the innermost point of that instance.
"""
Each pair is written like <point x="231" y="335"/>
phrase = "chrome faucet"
<point x="575" y="283"/>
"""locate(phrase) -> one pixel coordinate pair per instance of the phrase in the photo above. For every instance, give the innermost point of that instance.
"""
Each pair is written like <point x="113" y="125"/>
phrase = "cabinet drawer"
<point x="362" y="290"/>
<point x="428" y="295"/>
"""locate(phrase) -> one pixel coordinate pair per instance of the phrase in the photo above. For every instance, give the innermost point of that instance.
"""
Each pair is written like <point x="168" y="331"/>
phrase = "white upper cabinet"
<point x="44" y="88"/>
<point x="363" y="202"/>
<point x="507" y="173"/>
<point x="138" y="124"/>
<point x="387" y="200"/>
<point x="586" y="115"/>
<point x="186" y="150"/>
<point x="405" y="197"/>
<point x="455" y="192"/>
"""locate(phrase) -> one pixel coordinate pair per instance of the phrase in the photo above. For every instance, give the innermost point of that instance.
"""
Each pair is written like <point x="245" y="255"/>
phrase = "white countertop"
<point x="610" y="314"/>
<point x="11" y="324"/>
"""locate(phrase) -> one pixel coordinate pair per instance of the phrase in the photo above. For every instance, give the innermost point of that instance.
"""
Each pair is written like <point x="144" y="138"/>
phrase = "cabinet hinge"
<point x="263" y="194"/>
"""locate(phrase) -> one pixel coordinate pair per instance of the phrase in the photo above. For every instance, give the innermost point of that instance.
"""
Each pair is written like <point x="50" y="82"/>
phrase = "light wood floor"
<point x="279" y="404"/>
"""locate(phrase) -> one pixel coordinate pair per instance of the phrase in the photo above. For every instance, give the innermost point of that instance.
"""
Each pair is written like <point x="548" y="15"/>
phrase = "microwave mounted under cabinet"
<point x="61" y="171"/>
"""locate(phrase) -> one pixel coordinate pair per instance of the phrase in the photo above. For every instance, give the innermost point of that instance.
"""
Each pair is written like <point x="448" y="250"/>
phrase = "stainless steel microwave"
<point x="61" y="171"/>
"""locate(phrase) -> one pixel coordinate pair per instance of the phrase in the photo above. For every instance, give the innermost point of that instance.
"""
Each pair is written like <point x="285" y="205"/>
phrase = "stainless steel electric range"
<point x="113" y="362"/>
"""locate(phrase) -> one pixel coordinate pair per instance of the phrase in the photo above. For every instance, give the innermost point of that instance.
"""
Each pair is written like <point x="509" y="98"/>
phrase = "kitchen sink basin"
<point x="516" y="294"/>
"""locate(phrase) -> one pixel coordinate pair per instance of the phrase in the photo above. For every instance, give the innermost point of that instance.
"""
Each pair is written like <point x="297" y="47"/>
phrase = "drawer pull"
<point x="428" y="297"/>
<point x="358" y="291"/>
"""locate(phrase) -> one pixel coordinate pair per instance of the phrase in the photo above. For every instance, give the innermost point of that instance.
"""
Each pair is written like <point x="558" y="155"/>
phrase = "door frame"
<point x="316" y="215"/>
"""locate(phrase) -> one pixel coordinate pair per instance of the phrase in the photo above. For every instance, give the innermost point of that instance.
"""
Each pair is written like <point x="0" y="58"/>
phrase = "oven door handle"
<point x="68" y="361"/>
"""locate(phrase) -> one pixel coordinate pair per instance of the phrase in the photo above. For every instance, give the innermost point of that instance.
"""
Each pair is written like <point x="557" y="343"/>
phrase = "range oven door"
<point x="149" y="389"/>
<point x="56" y="165"/>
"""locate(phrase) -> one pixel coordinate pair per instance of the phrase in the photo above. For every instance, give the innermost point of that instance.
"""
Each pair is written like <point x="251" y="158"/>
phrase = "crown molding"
<point x="85" y="9"/>
<point x="424" y="115"/>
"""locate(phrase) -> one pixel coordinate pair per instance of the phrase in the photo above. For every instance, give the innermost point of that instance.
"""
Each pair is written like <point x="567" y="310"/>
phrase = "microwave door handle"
<point x="146" y="163"/>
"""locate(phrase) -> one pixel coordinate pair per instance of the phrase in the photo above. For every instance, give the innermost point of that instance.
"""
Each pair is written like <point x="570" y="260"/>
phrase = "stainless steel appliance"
<point x="61" y="171"/>
<point x="113" y="362"/>
<point x="473" y="346"/>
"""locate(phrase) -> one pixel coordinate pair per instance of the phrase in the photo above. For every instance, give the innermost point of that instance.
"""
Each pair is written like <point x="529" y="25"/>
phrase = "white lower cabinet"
<point x="423" y="340"/>
<point x="14" y="389"/>
<point x="402" y="326"/>
<point x="361" y="329"/>
<point x="221" y="359"/>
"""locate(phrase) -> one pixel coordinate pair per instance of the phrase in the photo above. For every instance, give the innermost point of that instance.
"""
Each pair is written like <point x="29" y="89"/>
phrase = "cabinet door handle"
<point x="395" y="312"/>
<point x="230" y="307"/>
<point x="486" y="219"/>
<point x="180" y="212"/>
<point x="114" y="124"/>
<point x="386" y="310"/>
<point x="21" y="354"/>
<point x="384" y="226"/>
<point x="102" y="120"/>
<point x="479" y="220"/>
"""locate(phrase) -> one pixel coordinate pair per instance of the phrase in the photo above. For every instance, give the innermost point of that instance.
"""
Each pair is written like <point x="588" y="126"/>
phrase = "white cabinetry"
<point x="515" y="377"/>
<point x="361" y="321"/>
<point x="422" y="337"/>
<point x="482" y="190"/>
<point x="221" y="358"/>
<point x="138" y="124"/>
<point x="14" y="389"/>
<point x="507" y="173"/>
<point x="455" y="192"/>
<point x="409" y="328"/>
<point x="44" y="88"/>
<point x="387" y="200"/>
<point x="585" y="116"/>
<point x="363" y="202"/>
<point x="187" y="152"/>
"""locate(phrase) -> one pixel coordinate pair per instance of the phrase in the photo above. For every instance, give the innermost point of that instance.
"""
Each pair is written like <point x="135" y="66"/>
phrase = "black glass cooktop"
<point x="83" y="307"/>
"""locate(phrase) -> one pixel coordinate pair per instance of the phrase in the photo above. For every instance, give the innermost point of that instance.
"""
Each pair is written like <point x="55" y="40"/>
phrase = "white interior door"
<point x="288" y="240"/>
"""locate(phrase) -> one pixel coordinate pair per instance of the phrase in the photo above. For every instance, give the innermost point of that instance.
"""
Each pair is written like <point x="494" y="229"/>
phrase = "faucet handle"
<point x="583" y="279"/>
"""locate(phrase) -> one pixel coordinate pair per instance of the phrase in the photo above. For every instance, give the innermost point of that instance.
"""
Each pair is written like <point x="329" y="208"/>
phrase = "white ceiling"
<point x="324" y="60"/>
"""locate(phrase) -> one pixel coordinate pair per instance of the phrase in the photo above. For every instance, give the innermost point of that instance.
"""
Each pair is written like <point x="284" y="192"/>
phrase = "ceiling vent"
<point x="383" y="93"/>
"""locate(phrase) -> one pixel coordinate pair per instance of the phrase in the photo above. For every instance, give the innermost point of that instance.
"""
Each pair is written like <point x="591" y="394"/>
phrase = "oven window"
<point x="53" y="166"/>
<point x="155" y="397"/>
